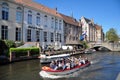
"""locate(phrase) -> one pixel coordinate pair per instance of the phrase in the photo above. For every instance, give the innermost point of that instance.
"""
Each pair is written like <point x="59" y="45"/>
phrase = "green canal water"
<point x="105" y="66"/>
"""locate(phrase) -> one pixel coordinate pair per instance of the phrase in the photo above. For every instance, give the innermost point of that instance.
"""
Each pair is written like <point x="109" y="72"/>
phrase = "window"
<point x="52" y="37"/>
<point x="45" y="21"/>
<point x="57" y="36"/>
<point x="29" y="17"/>
<point x="38" y="19"/>
<point x="56" y="23"/>
<point x="18" y="34"/>
<point x="60" y="25"/>
<point x="60" y="38"/>
<point x="52" y="23"/>
<point x="4" y="32"/>
<point x="19" y="15"/>
<point x="37" y="36"/>
<point x="45" y="36"/>
<point x="5" y="11"/>
<point x="28" y="35"/>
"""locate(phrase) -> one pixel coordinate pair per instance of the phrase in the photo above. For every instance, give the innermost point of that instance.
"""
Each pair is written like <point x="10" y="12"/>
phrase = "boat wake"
<point x="74" y="74"/>
<point x="46" y="75"/>
<point x="94" y="61"/>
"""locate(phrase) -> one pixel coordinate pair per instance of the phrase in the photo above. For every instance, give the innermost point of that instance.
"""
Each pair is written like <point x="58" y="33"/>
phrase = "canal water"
<point x="105" y="66"/>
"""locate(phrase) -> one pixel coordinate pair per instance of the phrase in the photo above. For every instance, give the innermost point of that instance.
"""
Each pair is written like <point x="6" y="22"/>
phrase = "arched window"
<point x="45" y="20"/>
<point x="5" y="11"/>
<point x="29" y="17"/>
<point x="38" y="19"/>
<point x="19" y="14"/>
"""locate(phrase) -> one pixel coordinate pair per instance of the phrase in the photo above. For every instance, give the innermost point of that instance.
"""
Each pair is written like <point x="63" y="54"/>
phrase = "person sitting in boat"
<point x="86" y="60"/>
<point x="76" y="61"/>
<point x="72" y="62"/>
<point x="82" y="60"/>
<point x="60" y="65"/>
<point x="64" y="64"/>
<point x="53" y="65"/>
<point x="68" y="64"/>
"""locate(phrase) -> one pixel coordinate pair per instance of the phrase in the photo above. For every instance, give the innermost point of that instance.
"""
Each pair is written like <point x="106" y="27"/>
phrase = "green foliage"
<point x="111" y="35"/>
<point x="23" y="51"/>
<point x="10" y="43"/>
<point x="5" y="45"/>
<point x="84" y="43"/>
<point x="17" y="44"/>
<point x="4" y="49"/>
<point x="33" y="49"/>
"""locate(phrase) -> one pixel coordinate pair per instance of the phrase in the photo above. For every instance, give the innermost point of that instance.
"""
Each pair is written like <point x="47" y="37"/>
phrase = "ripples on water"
<point x="104" y="66"/>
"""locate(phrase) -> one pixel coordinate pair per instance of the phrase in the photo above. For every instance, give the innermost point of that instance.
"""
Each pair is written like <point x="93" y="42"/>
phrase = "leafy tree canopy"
<point x="111" y="35"/>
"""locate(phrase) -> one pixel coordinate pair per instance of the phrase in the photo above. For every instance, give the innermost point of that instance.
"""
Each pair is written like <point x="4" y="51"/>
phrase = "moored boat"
<point x="66" y="71"/>
<point x="47" y="59"/>
<point x="89" y="51"/>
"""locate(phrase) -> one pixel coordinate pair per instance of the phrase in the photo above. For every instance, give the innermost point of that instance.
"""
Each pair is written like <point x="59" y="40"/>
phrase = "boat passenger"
<point x="53" y="65"/>
<point x="86" y="60"/>
<point x="68" y="64"/>
<point x="83" y="61"/>
<point x="60" y="65"/>
<point x="80" y="61"/>
<point x="64" y="64"/>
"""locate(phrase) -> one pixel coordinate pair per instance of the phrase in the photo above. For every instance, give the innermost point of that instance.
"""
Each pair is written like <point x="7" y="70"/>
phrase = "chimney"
<point x="56" y="10"/>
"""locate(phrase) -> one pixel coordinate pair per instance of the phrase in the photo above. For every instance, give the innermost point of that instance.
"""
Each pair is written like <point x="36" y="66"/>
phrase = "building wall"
<point x="100" y="35"/>
<point x="90" y="30"/>
<point x="44" y="26"/>
<point x="11" y="22"/>
<point x="72" y="33"/>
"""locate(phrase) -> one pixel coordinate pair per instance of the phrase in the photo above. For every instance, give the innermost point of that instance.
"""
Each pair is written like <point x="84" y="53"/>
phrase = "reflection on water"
<point x="105" y="66"/>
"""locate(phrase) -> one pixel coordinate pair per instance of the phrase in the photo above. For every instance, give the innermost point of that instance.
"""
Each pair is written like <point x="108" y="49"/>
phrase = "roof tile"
<point x="35" y="5"/>
<point x="70" y="20"/>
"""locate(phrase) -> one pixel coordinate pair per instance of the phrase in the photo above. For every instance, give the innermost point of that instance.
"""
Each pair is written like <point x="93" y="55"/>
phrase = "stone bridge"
<point x="109" y="46"/>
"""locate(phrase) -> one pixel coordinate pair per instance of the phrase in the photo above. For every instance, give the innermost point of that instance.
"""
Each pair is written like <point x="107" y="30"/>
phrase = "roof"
<point x="87" y="20"/>
<point x="98" y="27"/>
<point x="69" y="20"/>
<point x="41" y="7"/>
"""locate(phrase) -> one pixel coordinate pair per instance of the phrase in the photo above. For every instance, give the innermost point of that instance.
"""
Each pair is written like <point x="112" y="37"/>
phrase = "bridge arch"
<point x="100" y="47"/>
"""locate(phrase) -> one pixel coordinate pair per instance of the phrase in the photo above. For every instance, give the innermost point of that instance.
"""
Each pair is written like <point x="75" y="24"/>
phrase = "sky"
<point x="104" y="12"/>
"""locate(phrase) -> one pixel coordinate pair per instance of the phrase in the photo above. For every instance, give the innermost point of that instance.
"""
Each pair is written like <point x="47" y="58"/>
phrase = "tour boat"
<point x="51" y="71"/>
<point x="88" y="51"/>
<point x="47" y="59"/>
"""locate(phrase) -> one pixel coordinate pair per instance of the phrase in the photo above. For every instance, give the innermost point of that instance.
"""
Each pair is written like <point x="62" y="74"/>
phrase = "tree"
<point x="112" y="35"/>
<point x="85" y="45"/>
